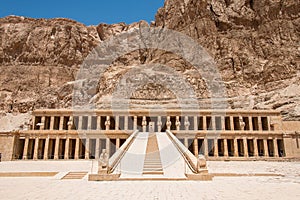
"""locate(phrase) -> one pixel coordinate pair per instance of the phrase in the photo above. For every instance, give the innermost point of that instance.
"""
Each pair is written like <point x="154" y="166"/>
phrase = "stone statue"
<point x="107" y="123"/>
<point x="177" y="124"/>
<point x="151" y="127"/>
<point x="159" y="125"/>
<point x="186" y="123"/>
<point x="144" y="124"/>
<point x="169" y="123"/>
<point x="201" y="162"/>
<point x="242" y="124"/>
<point x="103" y="160"/>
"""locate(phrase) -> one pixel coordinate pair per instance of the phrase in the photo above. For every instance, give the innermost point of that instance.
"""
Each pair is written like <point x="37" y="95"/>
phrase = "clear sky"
<point x="89" y="12"/>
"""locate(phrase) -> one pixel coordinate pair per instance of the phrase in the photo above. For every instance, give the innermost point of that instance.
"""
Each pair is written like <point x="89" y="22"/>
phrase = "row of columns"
<point x="187" y="122"/>
<point x="67" y="147"/>
<point x="235" y="147"/>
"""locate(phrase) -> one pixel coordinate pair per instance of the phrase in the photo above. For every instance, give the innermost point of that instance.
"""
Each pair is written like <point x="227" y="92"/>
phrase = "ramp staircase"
<point x="153" y="156"/>
<point x="152" y="163"/>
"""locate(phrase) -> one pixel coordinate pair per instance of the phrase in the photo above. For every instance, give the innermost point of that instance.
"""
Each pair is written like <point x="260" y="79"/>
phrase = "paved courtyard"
<point x="241" y="187"/>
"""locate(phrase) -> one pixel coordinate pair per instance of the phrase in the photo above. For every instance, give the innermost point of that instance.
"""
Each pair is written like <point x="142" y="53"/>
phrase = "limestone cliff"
<point x="255" y="44"/>
<point x="38" y="58"/>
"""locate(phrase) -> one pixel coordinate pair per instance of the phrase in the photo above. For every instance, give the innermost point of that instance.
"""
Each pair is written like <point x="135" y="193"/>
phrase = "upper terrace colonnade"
<point x="67" y="134"/>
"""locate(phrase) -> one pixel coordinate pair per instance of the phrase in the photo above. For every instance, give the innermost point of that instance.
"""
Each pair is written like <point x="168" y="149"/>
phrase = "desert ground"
<point x="253" y="180"/>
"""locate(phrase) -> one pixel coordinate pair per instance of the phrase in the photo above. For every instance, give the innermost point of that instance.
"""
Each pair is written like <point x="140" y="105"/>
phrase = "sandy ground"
<point x="267" y="187"/>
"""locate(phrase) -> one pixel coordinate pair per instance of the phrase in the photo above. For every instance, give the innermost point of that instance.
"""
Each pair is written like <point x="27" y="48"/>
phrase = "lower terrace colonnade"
<point x="63" y="134"/>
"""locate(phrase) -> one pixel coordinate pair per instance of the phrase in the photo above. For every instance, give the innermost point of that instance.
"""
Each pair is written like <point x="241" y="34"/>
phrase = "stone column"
<point x="275" y="147"/>
<point x="61" y="123"/>
<point x="196" y="149"/>
<point x="117" y="143"/>
<point x="255" y="147"/>
<point x="259" y="124"/>
<point x="231" y="123"/>
<point x="236" y="149"/>
<point x="80" y="123"/>
<point x="46" y="148"/>
<point x="98" y="122"/>
<point x="177" y="123"/>
<point x="108" y="146"/>
<point x="135" y="123"/>
<point x="266" y="152"/>
<point x="117" y="123"/>
<point x="87" y="148"/>
<point x="204" y="123"/>
<point x="216" y="150"/>
<point x="205" y="147"/>
<point x="25" y="151"/>
<point x="126" y="123"/>
<point x="195" y="123"/>
<point x="186" y="143"/>
<point x="144" y="124"/>
<point x="56" y="156"/>
<point x="245" y="147"/>
<point x="269" y="124"/>
<point x="33" y="123"/>
<point x="159" y="124"/>
<point x="43" y="119"/>
<point x="250" y="123"/>
<point x="36" y="149"/>
<point x="89" y="123"/>
<point x="52" y="123"/>
<point x="97" y="148"/>
<point x="225" y="148"/>
<point x="70" y="123"/>
<point x="67" y="147"/>
<point x="223" y="123"/>
<point x="213" y="122"/>
<point x="76" y="156"/>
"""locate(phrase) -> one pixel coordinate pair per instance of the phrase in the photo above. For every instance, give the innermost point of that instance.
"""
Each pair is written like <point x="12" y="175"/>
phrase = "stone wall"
<point x="291" y="126"/>
<point x="6" y="147"/>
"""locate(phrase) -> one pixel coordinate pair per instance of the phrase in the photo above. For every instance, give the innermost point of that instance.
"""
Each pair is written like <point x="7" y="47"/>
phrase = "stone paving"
<point x="269" y="187"/>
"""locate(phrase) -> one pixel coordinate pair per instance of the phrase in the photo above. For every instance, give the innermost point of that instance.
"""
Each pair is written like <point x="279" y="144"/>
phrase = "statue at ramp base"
<point x="103" y="162"/>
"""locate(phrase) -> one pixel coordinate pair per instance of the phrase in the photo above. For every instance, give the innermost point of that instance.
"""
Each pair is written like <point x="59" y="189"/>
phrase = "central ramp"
<point x="172" y="161"/>
<point x="132" y="164"/>
<point x="152" y="156"/>
<point x="152" y="164"/>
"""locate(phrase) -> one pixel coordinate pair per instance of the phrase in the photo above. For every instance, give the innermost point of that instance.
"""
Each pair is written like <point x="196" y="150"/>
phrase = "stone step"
<point x="75" y="175"/>
<point x="152" y="162"/>
<point x="153" y="172"/>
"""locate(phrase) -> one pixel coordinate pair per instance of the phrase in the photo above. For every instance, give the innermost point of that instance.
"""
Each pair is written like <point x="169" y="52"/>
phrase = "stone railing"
<point x="189" y="158"/>
<point x="117" y="157"/>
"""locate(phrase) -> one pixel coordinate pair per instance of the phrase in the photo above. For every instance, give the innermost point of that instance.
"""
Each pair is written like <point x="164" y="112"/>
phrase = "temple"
<point x="215" y="134"/>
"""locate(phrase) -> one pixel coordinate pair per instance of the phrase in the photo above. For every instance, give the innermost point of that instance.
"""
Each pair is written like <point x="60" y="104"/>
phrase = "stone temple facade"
<point x="216" y="134"/>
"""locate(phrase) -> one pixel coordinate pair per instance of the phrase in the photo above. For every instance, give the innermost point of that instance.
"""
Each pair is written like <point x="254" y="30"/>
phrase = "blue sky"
<point x="89" y="12"/>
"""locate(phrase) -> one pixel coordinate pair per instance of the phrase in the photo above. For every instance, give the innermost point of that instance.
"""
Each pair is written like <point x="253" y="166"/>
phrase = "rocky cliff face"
<point x="255" y="44"/>
<point x="38" y="58"/>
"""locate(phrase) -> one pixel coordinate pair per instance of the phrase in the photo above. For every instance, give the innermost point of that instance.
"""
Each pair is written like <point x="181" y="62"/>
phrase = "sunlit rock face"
<point x="255" y="45"/>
